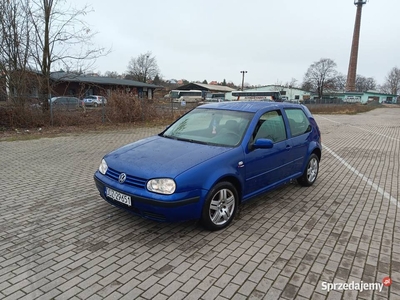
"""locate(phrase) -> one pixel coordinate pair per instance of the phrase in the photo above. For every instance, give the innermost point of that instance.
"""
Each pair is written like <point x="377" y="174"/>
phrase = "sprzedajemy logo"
<point x="356" y="286"/>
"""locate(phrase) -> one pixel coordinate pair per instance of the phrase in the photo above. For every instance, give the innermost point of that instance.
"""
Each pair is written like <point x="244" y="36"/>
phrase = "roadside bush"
<point x="127" y="108"/>
<point x="121" y="108"/>
<point x="12" y="116"/>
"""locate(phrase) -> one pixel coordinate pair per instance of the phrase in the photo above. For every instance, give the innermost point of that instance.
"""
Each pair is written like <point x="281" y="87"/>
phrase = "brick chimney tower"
<point x="352" y="72"/>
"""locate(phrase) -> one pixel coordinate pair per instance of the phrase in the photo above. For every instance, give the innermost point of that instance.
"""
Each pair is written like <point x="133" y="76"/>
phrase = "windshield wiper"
<point x="185" y="140"/>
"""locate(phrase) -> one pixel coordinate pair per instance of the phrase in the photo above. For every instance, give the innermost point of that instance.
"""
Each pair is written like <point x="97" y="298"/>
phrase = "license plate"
<point x="117" y="196"/>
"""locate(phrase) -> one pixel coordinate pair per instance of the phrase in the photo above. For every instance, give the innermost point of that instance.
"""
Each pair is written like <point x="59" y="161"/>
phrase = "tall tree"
<point x="320" y="75"/>
<point x="61" y="37"/>
<point x="143" y="67"/>
<point x="14" y="50"/>
<point x="392" y="82"/>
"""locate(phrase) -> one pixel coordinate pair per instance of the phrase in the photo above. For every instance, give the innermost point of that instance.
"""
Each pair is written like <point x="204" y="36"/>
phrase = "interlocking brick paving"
<point x="60" y="240"/>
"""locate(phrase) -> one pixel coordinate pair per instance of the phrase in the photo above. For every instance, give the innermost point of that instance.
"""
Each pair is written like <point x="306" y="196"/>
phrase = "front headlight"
<point x="162" y="186"/>
<point x="103" y="167"/>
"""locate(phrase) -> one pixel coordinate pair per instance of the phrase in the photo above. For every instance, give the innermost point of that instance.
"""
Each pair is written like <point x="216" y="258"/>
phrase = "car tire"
<point x="220" y="206"/>
<point x="95" y="104"/>
<point x="311" y="172"/>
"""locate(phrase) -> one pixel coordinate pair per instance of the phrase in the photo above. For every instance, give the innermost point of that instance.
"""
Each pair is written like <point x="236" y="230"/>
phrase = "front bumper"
<point x="170" y="208"/>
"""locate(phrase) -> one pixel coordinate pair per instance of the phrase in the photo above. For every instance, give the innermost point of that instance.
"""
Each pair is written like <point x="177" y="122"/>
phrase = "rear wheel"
<point x="95" y="104"/>
<point x="311" y="172"/>
<point x="220" y="206"/>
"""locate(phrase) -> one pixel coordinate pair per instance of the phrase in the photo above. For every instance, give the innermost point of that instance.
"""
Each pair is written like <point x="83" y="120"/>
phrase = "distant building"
<point x="290" y="93"/>
<point x="206" y="87"/>
<point x="360" y="97"/>
<point x="78" y="85"/>
<point x="83" y="85"/>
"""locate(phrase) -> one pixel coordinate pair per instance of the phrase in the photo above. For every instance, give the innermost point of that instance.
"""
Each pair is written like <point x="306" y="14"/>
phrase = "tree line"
<point x="322" y="76"/>
<point x="37" y="36"/>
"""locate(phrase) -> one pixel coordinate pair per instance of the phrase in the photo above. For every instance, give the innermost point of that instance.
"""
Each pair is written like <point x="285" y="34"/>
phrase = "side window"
<point x="271" y="126"/>
<point x="298" y="121"/>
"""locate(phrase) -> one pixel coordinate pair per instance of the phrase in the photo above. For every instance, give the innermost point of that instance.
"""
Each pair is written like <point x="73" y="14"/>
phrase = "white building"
<point x="288" y="92"/>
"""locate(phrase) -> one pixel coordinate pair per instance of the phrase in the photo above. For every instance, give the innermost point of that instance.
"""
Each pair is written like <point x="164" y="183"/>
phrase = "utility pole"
<point x="352" y="72"/>
<point x="146" y="67"/>
<point x="243" y="72"/>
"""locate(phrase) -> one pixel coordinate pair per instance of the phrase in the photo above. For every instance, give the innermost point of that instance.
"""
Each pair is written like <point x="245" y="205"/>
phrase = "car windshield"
<point x="210" y="126"/>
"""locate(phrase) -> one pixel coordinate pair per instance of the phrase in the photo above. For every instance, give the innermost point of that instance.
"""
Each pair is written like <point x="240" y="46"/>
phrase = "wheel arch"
<point x="235" y="182"/>
<point x="317" y="152"/>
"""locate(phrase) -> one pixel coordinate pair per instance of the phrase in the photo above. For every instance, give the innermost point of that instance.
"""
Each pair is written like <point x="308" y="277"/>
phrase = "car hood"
<point x="160" y="157"/>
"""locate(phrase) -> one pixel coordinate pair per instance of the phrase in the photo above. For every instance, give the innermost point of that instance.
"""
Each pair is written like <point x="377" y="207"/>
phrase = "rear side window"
<point x="298" y="121"/>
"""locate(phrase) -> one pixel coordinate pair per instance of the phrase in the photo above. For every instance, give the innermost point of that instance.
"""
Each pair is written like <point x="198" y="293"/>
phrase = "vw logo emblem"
<point x="122" y="178"/>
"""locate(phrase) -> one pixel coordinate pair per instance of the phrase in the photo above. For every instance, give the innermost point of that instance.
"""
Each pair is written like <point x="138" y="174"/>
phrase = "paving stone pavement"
<point x="60" y="240"/>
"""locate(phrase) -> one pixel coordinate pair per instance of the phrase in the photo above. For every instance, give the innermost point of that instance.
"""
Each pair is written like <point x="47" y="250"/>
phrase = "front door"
<point x="265" y="167"/>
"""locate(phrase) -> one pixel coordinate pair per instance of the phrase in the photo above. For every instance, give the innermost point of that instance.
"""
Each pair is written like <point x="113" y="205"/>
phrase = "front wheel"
<point x="311" y="172"/>
<point x="220" y="206"/>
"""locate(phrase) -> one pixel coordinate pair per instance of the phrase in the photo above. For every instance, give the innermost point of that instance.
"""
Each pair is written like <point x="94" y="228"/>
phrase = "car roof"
<point x="248" y="106"/>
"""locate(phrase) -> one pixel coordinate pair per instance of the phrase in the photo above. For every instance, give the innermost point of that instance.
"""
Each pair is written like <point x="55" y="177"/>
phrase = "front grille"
<point x="130" y="180"/>
<point x="136" y="211"/>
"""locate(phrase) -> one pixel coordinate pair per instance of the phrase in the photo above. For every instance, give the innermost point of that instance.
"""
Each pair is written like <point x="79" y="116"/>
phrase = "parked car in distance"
<point x="292" y="101"/>
<point x="94" y="100"/>
<point x="212" y="159"/>
<point x="215" y="97"/>
<point x="66" y="102"/>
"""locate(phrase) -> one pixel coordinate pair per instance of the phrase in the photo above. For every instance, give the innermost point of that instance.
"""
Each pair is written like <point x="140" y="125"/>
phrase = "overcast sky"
<point x="273" y="40"/>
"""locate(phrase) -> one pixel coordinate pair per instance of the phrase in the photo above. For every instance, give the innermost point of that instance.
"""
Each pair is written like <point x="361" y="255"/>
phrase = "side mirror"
<point x="263" y="144"/>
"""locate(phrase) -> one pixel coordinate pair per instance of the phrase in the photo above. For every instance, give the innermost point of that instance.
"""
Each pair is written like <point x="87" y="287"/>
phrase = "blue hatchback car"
<point x="212" y="159"/>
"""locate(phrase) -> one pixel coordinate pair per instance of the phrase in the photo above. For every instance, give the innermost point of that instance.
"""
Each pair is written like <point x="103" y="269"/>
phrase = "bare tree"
<point x="320" y="75"/>
<point x="364" y="84"/>
<point x="339" y="82"/>
<point x="292" y="83"/>
<point x="60" y="37"/>
<point x="14" y="50"/>
<point x="392" y="82"/>
<point x="111" y="74"/>
<point x="143" y="67"/>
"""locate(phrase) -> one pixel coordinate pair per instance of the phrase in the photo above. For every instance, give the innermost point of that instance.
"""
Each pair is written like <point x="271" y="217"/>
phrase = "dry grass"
<point x="122" y="112"/>
<point x="349" y="109"/>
